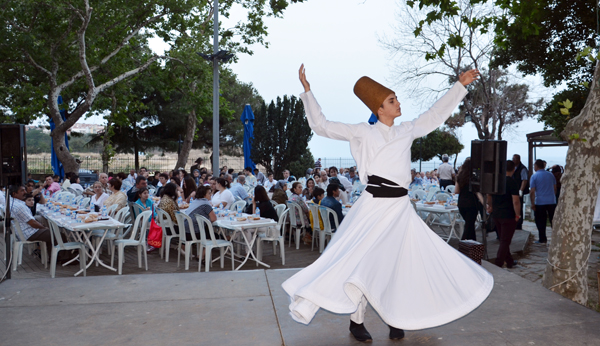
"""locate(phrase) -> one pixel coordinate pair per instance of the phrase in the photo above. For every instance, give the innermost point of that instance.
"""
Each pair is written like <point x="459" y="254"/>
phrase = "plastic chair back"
<point x="314" y="210"/>
<point x="121" y="214"/>
<point x="239" y="204"/>
<point x="205" y="224"/>
<point x="274" y="203"/>
<point x="164" y="220"/>
<point x="325" y="212"/>
<point x="442" y="196"/>
<point x="282" y="221"/>
<point x="142" y="222"/>
<point x="78" y="199"/>
<point x="112" y="210"/>
<point x="55" y="233"/>
<point x="419" y="194"/>
<point x="291" y="206"/>
<point x="85" y="202"/>
<point x="17" y="230"/>
<point x="181" y="220"/>
<point x="279" y="208"/>
<point x="450" y="188"/>
<point x="135" y="209"/>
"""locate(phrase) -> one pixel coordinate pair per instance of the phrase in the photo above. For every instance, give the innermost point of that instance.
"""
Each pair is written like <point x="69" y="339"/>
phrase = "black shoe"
<point x="359" y="332"/>
<point x="396" y="334"/>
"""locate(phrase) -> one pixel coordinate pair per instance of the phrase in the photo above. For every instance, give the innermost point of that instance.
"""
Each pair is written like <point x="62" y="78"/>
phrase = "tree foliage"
<point x="81" y="49"/>
<point x="435" y="144"/>
<point x="281" y="135"/>
<point x="494" y="103"/>
<point x="553" y="118"/>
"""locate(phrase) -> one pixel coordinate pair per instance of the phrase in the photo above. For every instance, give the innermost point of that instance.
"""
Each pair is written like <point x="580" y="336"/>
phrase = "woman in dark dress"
<point x="261" y="200"/>
<point x="468" y="205"/>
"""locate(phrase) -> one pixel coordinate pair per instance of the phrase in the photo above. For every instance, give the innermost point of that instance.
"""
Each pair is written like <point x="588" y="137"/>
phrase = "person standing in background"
<point x="521" y="177"/>
<point x="505" y="211"/>
<point x="446" y="172"/>
<point x="543" y="198"/>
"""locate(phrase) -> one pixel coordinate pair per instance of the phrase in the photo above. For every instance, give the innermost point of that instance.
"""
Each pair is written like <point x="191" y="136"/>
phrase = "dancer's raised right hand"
<point x="303" y="80"/>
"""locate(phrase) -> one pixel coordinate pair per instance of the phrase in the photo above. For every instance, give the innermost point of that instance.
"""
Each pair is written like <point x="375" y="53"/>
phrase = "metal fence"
<point x="42" y="165"/>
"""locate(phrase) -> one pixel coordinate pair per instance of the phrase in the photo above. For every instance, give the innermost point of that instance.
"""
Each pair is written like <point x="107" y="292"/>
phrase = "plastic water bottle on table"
<point x="258" y="211"/>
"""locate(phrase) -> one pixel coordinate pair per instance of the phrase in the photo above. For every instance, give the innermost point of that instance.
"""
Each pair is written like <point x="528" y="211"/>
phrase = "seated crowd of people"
<point x="200" y="190"/>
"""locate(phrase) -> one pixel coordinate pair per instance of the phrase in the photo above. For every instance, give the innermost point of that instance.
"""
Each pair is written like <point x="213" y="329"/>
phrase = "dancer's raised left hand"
<point x="303" y="80"/>
<point x="467" y="77"/>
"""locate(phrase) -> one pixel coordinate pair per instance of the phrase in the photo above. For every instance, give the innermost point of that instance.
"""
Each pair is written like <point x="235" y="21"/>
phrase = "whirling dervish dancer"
<point x="383" y="253"/>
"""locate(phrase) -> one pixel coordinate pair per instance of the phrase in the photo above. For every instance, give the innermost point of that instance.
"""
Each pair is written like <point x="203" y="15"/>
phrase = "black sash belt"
<point x="382" y="188"/>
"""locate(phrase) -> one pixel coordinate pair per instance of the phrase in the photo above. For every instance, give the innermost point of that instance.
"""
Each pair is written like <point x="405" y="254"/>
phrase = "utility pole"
<point x="216" y="91"/>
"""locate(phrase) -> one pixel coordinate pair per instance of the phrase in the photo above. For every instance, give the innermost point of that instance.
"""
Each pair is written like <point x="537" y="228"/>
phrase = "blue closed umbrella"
<point x="248" y="121"/>
<point x="57" y="166"/>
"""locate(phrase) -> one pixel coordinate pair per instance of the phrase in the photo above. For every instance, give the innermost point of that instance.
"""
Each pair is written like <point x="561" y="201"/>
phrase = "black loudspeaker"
<point x="488" y="167"/>
<point x="13" y="155"/>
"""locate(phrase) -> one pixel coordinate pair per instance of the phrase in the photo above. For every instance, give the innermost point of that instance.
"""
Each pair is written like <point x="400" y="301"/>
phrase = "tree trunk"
<point x="64" y="156"/>
<point x="186" y="147"/>
<point x="106" y="147"/>
<point x="566" y="272"/>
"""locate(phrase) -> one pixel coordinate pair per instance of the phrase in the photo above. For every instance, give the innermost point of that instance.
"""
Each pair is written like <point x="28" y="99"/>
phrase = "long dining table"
<point x="242" y="227"/>
<point x="82" y="231"/>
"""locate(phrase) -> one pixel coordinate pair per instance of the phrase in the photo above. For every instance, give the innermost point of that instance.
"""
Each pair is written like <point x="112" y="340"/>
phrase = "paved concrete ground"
<point x="250" y="308"/>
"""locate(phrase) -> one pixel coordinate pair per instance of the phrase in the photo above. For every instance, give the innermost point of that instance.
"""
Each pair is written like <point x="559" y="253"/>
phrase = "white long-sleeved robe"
<point x="382" y="249"/>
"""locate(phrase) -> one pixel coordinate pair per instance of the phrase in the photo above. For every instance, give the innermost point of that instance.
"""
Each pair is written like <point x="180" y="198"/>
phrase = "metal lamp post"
<point x="217" y="56"/>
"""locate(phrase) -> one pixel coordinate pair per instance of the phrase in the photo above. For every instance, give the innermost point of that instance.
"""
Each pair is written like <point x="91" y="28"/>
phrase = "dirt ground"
<point x="534" y="259"/>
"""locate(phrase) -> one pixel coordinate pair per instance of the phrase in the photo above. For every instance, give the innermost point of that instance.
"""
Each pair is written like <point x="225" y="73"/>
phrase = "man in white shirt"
<point x="260" y="177"/>
<point x="32" y="230"/>
<point x="446" y="172"/>
<point x="131" y="177"/>
<point x="103" y="179"/>
<point x="324" y="181"/>
<point x="269" y="183"/>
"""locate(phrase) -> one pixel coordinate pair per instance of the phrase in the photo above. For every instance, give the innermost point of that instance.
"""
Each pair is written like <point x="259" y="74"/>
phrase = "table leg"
<point x="250" y="251"/>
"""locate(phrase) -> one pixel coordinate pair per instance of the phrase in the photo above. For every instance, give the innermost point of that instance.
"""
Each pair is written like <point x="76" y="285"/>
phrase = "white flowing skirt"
<point x="384" y="251"/>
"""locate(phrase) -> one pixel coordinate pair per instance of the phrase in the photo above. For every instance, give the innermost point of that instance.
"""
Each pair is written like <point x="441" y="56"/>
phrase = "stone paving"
<point x="534" y="259"/>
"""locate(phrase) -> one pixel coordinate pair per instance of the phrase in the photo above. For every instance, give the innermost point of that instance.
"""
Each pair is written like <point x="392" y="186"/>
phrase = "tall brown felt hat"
<point x="371" y="93"/>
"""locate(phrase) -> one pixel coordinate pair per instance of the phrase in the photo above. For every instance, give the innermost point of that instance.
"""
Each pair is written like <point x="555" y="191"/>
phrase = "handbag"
<point x="155" y="234"/>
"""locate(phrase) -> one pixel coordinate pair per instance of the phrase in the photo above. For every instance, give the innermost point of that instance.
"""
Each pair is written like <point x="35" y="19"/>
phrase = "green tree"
<point x="572" y="227"/>
<point x="306" y="161"/>
<point x="494" y="103"/>
<point x="59" y="47"/>
<point x="37" y="141"/>
<point x="281" y="135"/>
<point x="435" y="144"/>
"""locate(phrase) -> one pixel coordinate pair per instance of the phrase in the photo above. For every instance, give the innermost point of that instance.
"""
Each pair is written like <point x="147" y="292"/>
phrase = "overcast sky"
<point x="337" y="40"/>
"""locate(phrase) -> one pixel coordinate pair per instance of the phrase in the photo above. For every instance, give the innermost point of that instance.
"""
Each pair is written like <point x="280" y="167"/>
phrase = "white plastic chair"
<point x="210" y="244"/>
<point x="450" y="188"/>
<point x="276" y="235"/>
<point x="134" y="209"/>
<point x="78" y="199"/>
<point x="293" y="207"/>
<point x="419" y="194"/>
<point x="432" y="191"/>
<point x="112" y="210"/>
<point x="165" y="222"/>
<point x="141" y="222"/>
<point x="19" y="242"/>
<point x="181" y="220"/>
<point x="442" y="196"/>
<point x="274" y="203"/>
<point x="279" y="209"/>
<point x="85" y="202"/>
<point x="235" y="205"/>
<point x="327" y="230"/>
<point x="316" y="226"/>
<point x="60" y="246"/>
